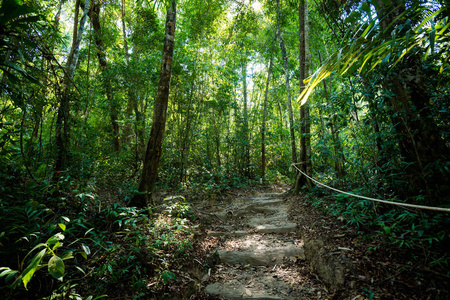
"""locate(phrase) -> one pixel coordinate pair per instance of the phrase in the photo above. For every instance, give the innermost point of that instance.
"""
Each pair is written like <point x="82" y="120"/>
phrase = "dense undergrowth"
<point x="423" y="236"/>
<point x="78" y="246"/>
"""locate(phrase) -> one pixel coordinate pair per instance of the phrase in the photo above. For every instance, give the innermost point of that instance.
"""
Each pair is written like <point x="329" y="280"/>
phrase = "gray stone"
<point x="269" y="228"/>
<point x="260" y="257"/>
<point x="329" y="269"/>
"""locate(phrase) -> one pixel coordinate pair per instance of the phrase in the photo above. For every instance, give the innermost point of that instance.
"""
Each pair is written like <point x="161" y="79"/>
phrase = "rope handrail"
<point x="440" y="209"/>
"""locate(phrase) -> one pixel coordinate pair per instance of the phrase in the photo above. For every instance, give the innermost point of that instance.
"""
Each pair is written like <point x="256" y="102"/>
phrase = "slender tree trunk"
<point x="246" y="158"/>
<point x="62" y="119"/>
<point x="94" y="14"/>
<point x="305" y="125"/>
<point x="154" y="147"/>
<point x="263" y="126"/>
<point x="307" y="118"/>
<point x="216" y="127"/>
<point x="288" y="88"/>
<point x="88" y="86"/>
<point x="281" y="123"/>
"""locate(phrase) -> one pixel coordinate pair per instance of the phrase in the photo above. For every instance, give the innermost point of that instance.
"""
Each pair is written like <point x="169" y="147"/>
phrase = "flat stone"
<point x="270" y="228"/>
<point x="260" y="257"/>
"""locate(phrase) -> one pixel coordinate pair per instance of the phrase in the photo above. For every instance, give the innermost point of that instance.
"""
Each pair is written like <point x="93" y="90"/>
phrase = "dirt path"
<point x="270" y="246"/>
<point x="259" y="252"/>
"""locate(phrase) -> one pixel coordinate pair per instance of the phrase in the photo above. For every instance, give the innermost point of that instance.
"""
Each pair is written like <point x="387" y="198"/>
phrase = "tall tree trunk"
<point x="288" y="88"/>
<point x="246" y="158"/>
<point x="62" y="119"/>
<point x="263" y="126"/>
<point x="216" y="128"/>
<point x="154" y="147"/>
<point x="305" y="125"/>
<point x="94" y="14"/>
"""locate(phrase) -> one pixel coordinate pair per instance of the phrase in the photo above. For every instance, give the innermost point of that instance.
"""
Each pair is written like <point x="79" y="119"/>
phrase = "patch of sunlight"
<point x="257" y="6"/>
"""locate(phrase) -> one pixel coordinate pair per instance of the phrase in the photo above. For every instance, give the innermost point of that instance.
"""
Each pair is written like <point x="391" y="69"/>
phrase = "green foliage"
<point x="15" y="19"/>
<point x="103" y="248"/>
<point x="392" y="226"/>
<point x="28" y="228"/>
<point x="368" y="47"/>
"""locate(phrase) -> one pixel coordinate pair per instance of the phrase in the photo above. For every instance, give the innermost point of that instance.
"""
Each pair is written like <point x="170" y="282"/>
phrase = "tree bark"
<point x="305" y="125"/>
<point x="94" y="14"/>
<point x="154" y="146"/>
<point x="288" y="88"/>
<point x="246" y="158"/>
<point x="263" y="126"/>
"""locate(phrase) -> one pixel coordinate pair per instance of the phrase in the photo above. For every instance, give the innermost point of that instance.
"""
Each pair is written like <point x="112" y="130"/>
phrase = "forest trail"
<point x="276" y="246"/>
<point x="259" y="252"/>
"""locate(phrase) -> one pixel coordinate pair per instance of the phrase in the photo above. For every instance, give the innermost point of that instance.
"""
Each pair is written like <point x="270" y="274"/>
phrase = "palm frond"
<point x="366" y="52"/>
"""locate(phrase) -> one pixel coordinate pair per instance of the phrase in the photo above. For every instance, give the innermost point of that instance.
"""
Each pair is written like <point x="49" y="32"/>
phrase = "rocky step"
<point x="260" y="257"/>
<point x="284" y="227"/>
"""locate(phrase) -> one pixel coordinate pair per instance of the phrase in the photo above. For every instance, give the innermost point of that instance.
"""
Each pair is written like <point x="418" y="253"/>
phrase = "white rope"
<point x="441" y="209"/>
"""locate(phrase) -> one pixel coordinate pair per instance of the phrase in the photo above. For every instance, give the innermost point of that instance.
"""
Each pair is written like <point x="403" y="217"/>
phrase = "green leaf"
<point x="86" y="249"/>
<point x="67" y="255"/>
<point x="29" y="271"/>
<point x="432" y="38"/>
<point x="62" y="226"/>
<point x="56" y="246"/>
<point x="56" y="267"/>
<point x="54" y="239"/>
<point x="5" y="272"/>
<point x="88" y="231"/>
<point x="354" y="15"/>
<point x="80" y="269"/>
<point x="12" y="9"/>
<point x="365" y="7"/>
<point x="11" y="275"/>
<point x="375" y="3"/>
<point x="368" y="29"/>
<point x="36" y="247"/>
<point x="8" y="273"/>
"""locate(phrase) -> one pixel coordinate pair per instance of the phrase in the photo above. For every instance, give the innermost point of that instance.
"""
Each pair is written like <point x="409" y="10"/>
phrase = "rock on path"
<point x="258" y="254"/>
